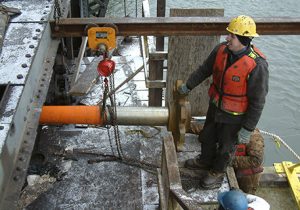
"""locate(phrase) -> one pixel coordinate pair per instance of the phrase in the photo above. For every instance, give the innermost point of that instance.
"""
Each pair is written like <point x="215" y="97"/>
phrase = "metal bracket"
<point x="179" y="116"/>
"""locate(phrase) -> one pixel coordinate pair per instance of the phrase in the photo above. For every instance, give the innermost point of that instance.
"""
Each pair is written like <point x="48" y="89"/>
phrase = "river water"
<point x="281" y="115"/>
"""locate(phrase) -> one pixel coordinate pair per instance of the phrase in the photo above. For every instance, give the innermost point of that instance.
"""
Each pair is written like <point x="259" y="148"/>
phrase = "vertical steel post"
<point x="156" y="67"/>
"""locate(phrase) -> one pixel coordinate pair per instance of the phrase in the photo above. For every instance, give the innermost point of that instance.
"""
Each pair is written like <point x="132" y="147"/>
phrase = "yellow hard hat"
<point x="242" y="25"/>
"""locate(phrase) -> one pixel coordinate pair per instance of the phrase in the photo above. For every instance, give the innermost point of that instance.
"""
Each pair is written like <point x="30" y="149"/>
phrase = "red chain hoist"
<point x="106" y="67"/>
<point x="102" y="40"/>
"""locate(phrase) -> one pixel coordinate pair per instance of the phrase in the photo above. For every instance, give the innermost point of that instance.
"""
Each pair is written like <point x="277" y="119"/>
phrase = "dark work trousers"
<point x="218" y="142"/>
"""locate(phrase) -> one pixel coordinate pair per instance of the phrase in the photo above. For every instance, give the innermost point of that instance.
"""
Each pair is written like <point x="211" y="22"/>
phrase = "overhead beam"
<point x="172" y="26"/>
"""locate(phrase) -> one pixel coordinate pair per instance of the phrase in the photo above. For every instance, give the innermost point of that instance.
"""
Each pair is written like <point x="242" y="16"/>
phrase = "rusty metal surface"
<point x="168" y="26"/>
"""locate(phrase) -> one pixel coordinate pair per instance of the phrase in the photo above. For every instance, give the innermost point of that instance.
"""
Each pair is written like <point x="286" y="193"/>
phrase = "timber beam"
<point x="172" y="26"/>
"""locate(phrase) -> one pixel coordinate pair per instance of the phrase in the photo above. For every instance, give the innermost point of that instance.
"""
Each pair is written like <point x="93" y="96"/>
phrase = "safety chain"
<point x="109" y="138"/>
<point x="112" y="112"/>
<point x="57" y="11"/>
<point x="277" y="138"/>
<point x="114" y="117"/>
<point x="104" y="97"/>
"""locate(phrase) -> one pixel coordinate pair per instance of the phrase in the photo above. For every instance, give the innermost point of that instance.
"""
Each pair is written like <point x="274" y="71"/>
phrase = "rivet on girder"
<point x="20" y="76"/>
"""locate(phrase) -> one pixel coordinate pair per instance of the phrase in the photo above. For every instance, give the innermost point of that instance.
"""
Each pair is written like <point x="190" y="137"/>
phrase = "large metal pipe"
<point x="71" y="115"/>
<point x="142" y="115"/>
<point x="91" y="115"/>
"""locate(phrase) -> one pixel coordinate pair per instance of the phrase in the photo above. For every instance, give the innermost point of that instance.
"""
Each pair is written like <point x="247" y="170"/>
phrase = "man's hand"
<point x="183" y="89"/>
<point x="244" y="136"/>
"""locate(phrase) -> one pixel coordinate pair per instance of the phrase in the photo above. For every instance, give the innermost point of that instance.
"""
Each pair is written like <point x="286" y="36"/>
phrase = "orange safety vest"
<point x="228" y="90"/>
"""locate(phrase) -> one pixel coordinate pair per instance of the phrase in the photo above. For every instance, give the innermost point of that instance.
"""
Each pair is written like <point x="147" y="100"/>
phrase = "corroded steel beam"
<point x="172" y="26"/>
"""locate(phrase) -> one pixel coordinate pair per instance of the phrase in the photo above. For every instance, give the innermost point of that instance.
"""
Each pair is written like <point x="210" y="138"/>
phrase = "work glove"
<point x="183" y="89"/>
<point x="195" y="127"/>
<point x="244" y="136"/>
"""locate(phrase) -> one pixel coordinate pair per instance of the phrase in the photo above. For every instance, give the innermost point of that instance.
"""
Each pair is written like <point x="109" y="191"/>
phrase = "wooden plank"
<point x="186" y="53"/>
<point x="171" y="161"/>
<point x="232" y="178"/>
<point x="165" y="184"/>
<point x="172" y="175"/>
<point x="79" y="59"/>
<point x="185" y="201"/>
<point x="161" y="191"/>
<point x="88" y="77"/>
<point x="86" y="80"/>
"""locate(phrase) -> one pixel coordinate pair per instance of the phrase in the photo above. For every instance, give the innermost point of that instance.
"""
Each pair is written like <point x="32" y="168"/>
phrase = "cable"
<point x="125" y="8"/>
<point x="275" y="137"/>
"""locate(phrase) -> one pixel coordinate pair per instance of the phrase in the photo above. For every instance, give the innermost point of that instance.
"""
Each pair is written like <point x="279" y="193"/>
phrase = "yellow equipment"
<point x="242" y="25"/>
<point x="98" y="36"/>
<point x="292" y="171"/>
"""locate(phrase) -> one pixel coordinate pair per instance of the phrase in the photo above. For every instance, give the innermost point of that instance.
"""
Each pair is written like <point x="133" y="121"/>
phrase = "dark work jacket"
<point x="257" y="88"/>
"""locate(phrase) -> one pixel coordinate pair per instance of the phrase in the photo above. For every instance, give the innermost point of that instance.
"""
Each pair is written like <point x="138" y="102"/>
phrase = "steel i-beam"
<point x="172" y="26"/>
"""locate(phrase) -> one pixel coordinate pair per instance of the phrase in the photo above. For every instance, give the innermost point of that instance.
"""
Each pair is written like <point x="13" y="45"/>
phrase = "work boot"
<point x="212" y="180"/>
<point x="196" y="163"/>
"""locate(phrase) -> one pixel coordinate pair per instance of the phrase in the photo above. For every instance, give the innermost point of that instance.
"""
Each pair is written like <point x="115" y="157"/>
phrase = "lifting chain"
<point x="57" y="11"/>
<point x="106" y="89"/>
<point x="113" y="113"/>
<point x="103" y="109"/>
<point x="110" y="140"/>
<point x="127" y="160"/>
<point x="114" y="117"/>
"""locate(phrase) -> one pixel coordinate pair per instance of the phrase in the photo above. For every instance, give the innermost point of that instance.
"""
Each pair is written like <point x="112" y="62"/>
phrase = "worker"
<point x="237" y="200"/>
<point x="237" y="97"/>
<point x="248" y="161"/>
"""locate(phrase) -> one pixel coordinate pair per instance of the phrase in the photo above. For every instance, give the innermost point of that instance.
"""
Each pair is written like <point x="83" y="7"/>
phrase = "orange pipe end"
<point x="54" y="115"/>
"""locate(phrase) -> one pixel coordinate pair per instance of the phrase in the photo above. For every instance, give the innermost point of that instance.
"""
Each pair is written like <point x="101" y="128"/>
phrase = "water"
<point x="281" y="113"/>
